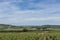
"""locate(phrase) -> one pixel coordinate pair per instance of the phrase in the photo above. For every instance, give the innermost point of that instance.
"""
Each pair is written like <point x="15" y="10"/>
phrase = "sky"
<point x="30" y="12"/>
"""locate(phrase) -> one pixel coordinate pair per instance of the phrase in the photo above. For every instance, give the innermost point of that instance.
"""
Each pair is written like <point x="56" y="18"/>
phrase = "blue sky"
<point x="30" y="12"/>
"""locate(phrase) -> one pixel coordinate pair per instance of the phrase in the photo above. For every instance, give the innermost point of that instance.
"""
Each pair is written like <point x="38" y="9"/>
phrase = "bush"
<point x="25" y="30"/>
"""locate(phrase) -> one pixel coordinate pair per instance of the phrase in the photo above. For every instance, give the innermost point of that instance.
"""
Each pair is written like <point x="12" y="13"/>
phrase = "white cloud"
<point x="11" y="0"/>
<point x="11" y="14"/>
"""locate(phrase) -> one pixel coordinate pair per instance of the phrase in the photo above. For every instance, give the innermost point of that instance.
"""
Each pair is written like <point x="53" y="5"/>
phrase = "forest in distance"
<point x="12" y="28"/>
<point x="29" y="26"/>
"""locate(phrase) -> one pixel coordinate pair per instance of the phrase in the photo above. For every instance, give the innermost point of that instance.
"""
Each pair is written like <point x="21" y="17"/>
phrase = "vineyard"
<point x="45" y="32"/>
<point x="29" y="36"/>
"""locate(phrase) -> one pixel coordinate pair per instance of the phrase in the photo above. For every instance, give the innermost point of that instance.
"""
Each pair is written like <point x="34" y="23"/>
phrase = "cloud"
<point x="11" y="0"/>
<point x="29" y="12"/>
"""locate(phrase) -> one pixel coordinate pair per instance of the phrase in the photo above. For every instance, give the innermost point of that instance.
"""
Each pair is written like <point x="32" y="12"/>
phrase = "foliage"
<point x="29" y="36"/>
<point x="25" y="30"/>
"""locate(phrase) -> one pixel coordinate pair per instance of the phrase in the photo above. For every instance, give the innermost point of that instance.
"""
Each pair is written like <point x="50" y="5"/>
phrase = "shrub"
<point x="25" y="30"/>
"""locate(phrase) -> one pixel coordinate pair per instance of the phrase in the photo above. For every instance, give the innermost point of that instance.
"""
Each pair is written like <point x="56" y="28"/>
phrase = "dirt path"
<point x="44" y="35"/>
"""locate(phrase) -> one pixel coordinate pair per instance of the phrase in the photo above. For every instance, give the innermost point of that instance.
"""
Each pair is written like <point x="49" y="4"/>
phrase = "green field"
<point x="52" y="35"/>
<point x="44" y="32"/>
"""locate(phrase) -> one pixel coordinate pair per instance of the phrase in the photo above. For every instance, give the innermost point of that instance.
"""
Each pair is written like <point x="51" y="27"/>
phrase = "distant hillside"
<point x="6" y="26"/>
<point x="13" y="26"/>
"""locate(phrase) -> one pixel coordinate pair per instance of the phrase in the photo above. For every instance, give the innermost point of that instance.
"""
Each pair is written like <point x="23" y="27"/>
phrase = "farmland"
<point x="29" y="33"/>
<point x="29" y="36"/>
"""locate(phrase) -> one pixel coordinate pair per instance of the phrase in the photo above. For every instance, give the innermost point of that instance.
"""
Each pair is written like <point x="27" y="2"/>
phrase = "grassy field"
<point x="30" y="33"/>
<point x="51" y="35"/>
<point x="21" y="36"/>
